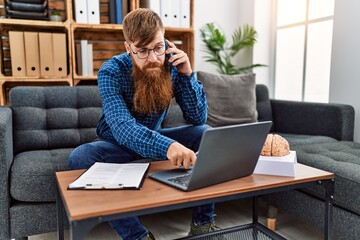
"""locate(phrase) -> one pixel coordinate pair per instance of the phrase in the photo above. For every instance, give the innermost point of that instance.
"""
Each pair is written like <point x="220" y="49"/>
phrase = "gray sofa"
<point x="44" y="124"/>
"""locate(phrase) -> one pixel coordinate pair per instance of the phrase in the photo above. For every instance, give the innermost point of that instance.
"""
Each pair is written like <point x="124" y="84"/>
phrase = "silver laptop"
<point x="225" y="153"/>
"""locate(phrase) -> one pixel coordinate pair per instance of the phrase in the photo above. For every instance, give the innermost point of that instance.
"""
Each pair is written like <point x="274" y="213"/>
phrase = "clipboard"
<point x="111" y="176"/>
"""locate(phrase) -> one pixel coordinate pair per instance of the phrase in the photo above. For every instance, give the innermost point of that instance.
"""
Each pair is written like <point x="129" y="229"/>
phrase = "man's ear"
<point x="127" y="47"/>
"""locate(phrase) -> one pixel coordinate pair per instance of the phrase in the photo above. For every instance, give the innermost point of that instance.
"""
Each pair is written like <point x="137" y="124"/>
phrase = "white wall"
<point x="345" y="59"/>
<point x="263" y="49"/>
<point x="228" y="14"/>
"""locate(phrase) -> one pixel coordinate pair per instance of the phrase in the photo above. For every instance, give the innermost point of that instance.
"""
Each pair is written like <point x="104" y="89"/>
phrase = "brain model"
<point x="275" y="145"/>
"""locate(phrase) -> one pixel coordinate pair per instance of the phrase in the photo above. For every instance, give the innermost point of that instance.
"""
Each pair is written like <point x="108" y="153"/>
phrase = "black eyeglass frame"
<point x="148" y="51"/>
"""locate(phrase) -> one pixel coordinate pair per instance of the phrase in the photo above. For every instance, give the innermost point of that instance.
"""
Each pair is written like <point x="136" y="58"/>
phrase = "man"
<point x="136" y="89"/>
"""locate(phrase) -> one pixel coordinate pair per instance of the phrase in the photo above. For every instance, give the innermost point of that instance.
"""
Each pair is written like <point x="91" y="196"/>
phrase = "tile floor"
<point x="175" y="224"/>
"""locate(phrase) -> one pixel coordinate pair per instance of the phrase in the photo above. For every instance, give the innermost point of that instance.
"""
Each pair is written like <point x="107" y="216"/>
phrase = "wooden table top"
<point x="83" y="204"/>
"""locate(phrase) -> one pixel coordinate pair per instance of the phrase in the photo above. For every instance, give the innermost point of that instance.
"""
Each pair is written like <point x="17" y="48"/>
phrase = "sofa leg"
<point x="271" y="217"/>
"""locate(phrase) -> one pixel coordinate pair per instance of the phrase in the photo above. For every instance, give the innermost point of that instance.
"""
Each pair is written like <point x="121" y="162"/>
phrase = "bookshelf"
<point x="106" y="39"/>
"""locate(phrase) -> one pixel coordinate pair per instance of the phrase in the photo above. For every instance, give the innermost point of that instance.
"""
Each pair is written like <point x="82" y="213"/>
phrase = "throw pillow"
<point x="231" y="98"/>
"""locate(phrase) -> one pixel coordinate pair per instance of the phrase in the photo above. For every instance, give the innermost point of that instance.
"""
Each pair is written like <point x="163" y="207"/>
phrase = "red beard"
<point x="153" y="89"/>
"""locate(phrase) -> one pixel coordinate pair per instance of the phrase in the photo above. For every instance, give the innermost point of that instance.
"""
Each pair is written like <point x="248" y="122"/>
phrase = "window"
<point x="303" y="49"/>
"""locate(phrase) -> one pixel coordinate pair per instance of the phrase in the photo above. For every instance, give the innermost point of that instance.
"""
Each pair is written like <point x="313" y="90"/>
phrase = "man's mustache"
<point x="152" y="65"/>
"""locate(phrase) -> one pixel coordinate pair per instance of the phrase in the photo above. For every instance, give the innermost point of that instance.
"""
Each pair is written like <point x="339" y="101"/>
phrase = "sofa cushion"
<point x="299" y="139"/>
<point x="33" y="174"/>
<point x="341" y="158"/>
<point x="263" y="105"/>
<point x="54" y="117"/>
<point x="231" y="98"/>
<point x="175" y="118"/>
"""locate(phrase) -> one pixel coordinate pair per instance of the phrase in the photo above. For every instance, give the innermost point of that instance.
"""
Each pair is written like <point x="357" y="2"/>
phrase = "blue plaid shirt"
<point x="140" y="132"/>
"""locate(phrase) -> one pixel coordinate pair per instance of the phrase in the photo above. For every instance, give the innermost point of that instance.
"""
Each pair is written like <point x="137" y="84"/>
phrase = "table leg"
<point x="255" y="209"/>
<point x="79" y="229"/>
<point x="329" y="196"/>
<point x="60" y="217"/>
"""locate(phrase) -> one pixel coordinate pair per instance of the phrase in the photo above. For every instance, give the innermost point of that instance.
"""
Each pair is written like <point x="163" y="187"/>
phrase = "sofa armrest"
<point x="6" y="158"/>
<point x="324" y="119"/>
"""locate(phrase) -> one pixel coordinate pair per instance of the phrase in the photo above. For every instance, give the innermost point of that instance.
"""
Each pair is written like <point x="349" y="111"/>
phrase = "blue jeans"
<point x="101" y="150"/>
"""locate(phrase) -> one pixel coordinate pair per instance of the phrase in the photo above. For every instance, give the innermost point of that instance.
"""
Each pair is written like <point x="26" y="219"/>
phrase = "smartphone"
<point x="167" y="56"/>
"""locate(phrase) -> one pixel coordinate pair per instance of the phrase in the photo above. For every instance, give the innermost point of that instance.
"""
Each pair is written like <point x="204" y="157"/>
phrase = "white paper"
<point x="111" y="176"/>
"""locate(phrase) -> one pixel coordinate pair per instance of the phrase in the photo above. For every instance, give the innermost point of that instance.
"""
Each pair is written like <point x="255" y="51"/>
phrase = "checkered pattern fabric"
<point x="135" y="131"/>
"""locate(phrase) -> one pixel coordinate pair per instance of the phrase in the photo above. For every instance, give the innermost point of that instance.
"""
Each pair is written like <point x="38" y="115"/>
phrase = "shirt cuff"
<point x="162" y="143"/>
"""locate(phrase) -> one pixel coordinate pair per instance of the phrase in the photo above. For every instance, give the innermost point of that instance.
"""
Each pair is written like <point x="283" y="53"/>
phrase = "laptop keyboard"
<point x="181" y="180"/>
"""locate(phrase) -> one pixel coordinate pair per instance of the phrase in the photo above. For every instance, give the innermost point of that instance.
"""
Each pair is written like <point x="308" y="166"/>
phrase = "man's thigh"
<point x="189" y="136"/>
<point x="100" y="150"/>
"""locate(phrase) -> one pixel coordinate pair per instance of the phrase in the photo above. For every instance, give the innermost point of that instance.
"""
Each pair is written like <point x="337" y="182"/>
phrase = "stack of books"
<point x="27" y="9"/>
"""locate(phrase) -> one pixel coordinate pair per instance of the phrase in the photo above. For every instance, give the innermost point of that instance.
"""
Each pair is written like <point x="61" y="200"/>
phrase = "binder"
<point x="32" y="57"/>
<point x="153" y="5"/>
<point x="93" y="11"/>
<point x="17" y="52"/>
<point x="90" y="64"/>
<point x="78" y="59"/>
<point x="185" y="13"/>
<point x="175" y="13"/>
<point x="112" y="11"/>
<point x="84" y="57"/>
<point x="81" y="11"/>
<point x="118" y="11"/>
<point x="125" y="7"/>
<point x="60" y="56"/>
<point x="165" y="9"/>
<point x="46" y="54"/>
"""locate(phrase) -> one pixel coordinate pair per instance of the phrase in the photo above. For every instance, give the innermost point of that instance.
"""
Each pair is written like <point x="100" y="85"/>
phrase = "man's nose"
<point x="152" y="57"/>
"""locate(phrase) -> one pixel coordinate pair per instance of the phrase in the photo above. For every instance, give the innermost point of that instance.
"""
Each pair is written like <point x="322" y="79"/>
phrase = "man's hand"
<point x="179" y="59"/>
<point x="180" y="155"/>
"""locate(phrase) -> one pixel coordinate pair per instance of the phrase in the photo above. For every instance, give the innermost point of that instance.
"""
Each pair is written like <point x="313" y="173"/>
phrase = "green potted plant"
<point x="220" y="52"/>
<point x="55" y="16"/>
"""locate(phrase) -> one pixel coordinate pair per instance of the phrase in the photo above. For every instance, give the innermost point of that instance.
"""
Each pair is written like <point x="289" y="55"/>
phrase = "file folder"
<point x="93" y="11"/>
<point x="32" y="57"/>
<point x="46" y="54"/>
<point x="60" y="56"/>
<point x="165" y="6"/>
<point x="84" y="57"/>
<point x="153" y="5"/>
<point x="81" y="11"/>
<point x="185" y="13"/>
<point x="125" y="8"/>
<point x="78" y="59"/>
<point x="112" y="12"/>
<point x="17" y="52"/>
<point x="175" y="13"/>
<point x="90" y="64"/>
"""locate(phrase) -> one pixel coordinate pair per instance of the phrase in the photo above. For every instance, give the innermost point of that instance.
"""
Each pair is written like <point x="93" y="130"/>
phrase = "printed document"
<point x="112" y="176"/>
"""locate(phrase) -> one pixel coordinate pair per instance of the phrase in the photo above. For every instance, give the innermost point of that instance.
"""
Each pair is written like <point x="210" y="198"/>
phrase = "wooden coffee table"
<point x="87" y="208"/>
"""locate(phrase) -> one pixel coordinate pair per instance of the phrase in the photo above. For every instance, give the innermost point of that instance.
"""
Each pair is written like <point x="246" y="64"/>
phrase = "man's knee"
<point x="199" y="130"/>
<point x="80" y="158"/>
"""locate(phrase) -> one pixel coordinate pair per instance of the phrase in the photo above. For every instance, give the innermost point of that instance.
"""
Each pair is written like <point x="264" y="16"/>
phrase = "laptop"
<point x="225" y="153"/>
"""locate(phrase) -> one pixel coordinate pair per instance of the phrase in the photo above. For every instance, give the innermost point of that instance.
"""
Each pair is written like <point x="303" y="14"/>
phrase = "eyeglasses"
<point x="144" y="53"/>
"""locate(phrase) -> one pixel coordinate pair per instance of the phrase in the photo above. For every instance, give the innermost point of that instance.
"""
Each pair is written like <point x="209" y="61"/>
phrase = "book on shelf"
<point x="112" y="176"/>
